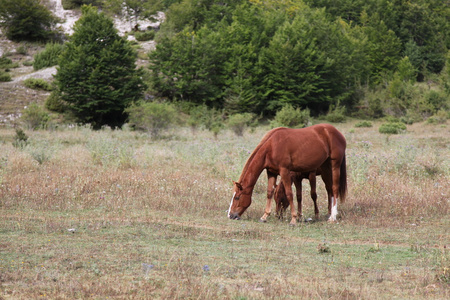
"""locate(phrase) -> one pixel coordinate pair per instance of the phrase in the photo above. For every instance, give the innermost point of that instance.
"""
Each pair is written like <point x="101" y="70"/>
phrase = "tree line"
<point x="369" y="58"/>
<point x="256" y="56"/>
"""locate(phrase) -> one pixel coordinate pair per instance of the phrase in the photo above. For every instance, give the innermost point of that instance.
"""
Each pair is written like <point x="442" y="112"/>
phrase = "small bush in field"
<point x="54" y="103"/>
<point x="439" y="118"/>
<point x="364" y="124"/>
<point x="392" y="128"/>
<point x="48" y="57"/>
<point x="239" y="122"/>
<point x="153" y="117"/>
<point x="336" y="114"/>
<point x="6" y="63"/>
<point x="144" y="36"/>
<point x="38" y="84"/>
<point x="20" y="139"/>
<point x="211" y="119"/>
<point x="27" y="63"/>
<point x="35" y="117"/>
<point x="4" y="76"/>
<point x="290" y="117"/>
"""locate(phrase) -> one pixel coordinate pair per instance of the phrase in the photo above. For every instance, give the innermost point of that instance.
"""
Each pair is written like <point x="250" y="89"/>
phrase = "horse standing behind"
<point x="284" y="150"/>
<point x="282" y="202"/>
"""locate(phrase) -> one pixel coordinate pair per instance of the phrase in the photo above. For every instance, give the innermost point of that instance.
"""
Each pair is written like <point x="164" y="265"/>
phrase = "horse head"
<point x="239" y="202"/>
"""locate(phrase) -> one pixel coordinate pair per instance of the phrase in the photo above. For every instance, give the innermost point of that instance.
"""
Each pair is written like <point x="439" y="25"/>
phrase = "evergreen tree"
<point x="97" y="75"/>
<point x="26" y="20"/>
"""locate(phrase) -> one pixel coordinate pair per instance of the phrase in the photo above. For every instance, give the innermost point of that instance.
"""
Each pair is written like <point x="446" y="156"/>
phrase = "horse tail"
<point x="343" y="181"/>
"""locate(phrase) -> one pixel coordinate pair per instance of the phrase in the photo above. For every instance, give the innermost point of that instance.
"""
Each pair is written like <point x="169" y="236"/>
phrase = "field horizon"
<point x="117" y="214"/>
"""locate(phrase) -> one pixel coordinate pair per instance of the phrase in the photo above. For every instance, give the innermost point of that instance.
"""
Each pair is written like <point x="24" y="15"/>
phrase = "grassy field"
<point x="117" y="215"/>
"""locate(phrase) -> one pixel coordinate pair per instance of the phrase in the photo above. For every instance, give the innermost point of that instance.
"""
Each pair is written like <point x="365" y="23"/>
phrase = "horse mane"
<point x="265" y="138"/>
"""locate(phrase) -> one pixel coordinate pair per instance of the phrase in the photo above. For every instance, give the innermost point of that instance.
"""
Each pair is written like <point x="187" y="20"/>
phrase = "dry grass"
<point x="113" y="214"/>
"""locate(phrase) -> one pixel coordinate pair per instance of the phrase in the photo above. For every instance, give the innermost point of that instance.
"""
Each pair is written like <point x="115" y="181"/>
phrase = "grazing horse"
<point x="284" y="150"/>
<point x="280" y="193"/>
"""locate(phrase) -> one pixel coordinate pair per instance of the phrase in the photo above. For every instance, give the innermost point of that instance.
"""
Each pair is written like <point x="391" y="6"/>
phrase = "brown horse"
<point x="283" y="150"/>
<point x="282" y="202"/>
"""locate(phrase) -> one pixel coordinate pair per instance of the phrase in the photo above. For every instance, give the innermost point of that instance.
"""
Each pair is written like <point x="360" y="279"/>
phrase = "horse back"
<point x="305" y="149"/>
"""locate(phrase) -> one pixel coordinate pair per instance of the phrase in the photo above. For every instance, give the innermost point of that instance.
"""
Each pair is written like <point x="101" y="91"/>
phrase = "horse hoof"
<point x="263" y="220"/>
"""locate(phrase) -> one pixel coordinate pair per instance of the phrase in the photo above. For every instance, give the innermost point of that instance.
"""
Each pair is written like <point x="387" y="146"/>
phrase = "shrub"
<point x="143" y="36"/>
<point x="211" y="119"/>
<point x="26" y="20"/>
<point x="20" y="139"/>
<point x="439" y="118"/>
<point x="35" y="117"/>
<point x="239" y="122"/>
<point x="72" y="4"/>
<point x="38" y="84"/>
<point x="437" y="99"/>
<point x="392" y="128"/>
<point x="290" y="117"/>
<point x="22" y="49"/>
<point x="27" y="63"/>
<point x="48" y="57"/>
<point x="363" y="124"/>
<point x="336" y="114"/>
<point x="54" y="103"/>
<point x="6" y="63"/>
<point x="4" y="76"/>
<point x="152" y="117"/>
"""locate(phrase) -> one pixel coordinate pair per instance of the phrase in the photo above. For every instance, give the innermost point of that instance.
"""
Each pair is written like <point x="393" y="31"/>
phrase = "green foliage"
<point x="20" y="139"/>
<point x="26" y="20"/>
<point x="38" y="84"/>
<point x="440" y="117"/>
<point x="290" y="117"/>
<point x="55" y="103"/>
<point x="239" y="122"/>
<point x="97" y="75"/>
<point x="35" y="117"/>
<point x="392" y="128"/>
<point x="73" y="4"/>
<point x="438" y="99"/>
<point x="152" y="117"/>
<point x="406" y="70"/>
<point x="365" y="124"/>
<point x="27" y="63"/>
<point x="4" y="76"/>
<point x="48" y="57"/>
<point x="336" y="114"/>
<point x="145" y="35"/>
<point x="201" y="115"/>
<point x="5" y="63"/>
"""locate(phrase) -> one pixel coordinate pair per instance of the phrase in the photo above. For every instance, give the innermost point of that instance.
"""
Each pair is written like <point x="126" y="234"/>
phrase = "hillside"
<point x="14" y="96"/>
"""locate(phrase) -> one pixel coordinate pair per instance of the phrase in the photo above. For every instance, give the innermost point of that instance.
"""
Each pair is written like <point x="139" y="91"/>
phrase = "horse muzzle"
<point x="234" y="216"/>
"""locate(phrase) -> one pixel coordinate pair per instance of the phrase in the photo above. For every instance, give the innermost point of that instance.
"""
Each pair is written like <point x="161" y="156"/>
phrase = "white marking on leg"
<point x="231" y="203"/>
<point x="334" y="210"/>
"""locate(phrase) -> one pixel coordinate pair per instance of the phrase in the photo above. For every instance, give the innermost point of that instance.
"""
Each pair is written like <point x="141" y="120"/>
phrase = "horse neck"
<point x="252" y="169"/>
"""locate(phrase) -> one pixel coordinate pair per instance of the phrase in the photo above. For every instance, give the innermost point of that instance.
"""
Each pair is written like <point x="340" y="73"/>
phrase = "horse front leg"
<point x="287" y="181"/>
<point x="271" y="181"/>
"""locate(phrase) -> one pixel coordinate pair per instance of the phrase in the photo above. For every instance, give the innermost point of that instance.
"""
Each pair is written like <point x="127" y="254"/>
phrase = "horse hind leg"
<point x="297" y="179"/>
<point x="312" y="183"/>
<point x="335" y="189"/>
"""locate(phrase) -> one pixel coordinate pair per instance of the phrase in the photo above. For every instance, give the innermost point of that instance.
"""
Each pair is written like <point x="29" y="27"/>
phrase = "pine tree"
<point x="97" y="75"/>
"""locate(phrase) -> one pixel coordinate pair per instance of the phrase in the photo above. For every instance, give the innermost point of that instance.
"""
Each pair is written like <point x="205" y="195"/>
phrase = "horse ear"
<point x="239" y="186"/>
